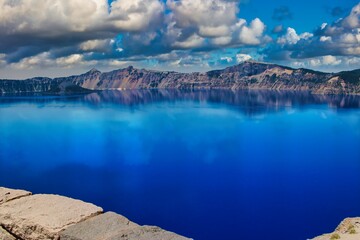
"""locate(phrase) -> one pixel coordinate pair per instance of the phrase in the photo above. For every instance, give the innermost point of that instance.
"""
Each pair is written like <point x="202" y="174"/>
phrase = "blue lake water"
<point x="211" y="165"/>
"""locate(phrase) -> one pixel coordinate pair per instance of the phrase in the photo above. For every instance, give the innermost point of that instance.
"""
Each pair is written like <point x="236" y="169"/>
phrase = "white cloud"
<point x="44" y="60"/>
<point x="53" y="17"/>
<point x="221" y="41"/>
<point x="341" y="38"/>
<point x="242" y="57"/>
<point x="350" y="38"/>
<point x="62" y="32"/>
<point x="30" y="27"/>
<point x="69" y="60"/>
<point x="135" y="15"/>
<point x="330" y="60"/>
<point x="49" y="16"/>
<point x="324" y="61"/>
<point x="353" y="20"/>
<point x="213" y="18"/>
<point x="34" y="61"/>
<point x="291" y="37"/>
<point x="315" y="62"/>
<point x="325" y="38"/>
<point x="323" y="25"/>
<point x="192" y="42"/>
<point x="226" y="59"/>
<point x="252" y="34"/>
<point x="352" y="61"/>
<point x="96" y="45"/>
<point x="327" y="62"/>
<point x="306" y="35"/>
<point x="118" y="63"/>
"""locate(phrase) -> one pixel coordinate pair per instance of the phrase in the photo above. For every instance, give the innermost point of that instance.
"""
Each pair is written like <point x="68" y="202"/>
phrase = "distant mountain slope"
<point x="247" y="75"/>
<point x="350" y="76"/>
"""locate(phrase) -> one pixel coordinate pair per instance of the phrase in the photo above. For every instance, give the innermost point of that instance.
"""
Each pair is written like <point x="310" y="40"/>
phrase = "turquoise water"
<point x="205" y="164"/>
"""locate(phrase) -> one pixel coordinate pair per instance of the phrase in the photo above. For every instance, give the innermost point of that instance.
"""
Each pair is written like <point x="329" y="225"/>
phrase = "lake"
<point x="211" y="165"/>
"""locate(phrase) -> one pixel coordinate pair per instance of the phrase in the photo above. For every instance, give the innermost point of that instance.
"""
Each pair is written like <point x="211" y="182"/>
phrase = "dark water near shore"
<point x="206" y="164"/>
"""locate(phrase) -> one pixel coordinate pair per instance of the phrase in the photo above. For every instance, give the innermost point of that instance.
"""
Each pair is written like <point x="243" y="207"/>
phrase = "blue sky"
<point x="57" y="37"/>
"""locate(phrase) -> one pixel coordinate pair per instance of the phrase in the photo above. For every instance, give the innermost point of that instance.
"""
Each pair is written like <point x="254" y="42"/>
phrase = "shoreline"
<point x="195" y="89"/>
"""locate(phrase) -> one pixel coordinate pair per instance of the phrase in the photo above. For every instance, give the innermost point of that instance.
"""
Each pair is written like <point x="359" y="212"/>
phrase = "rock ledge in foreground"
<point x="53" y="217"/>
<point x="348" y="229"/>
<point x="112" y="226"/>
<point x="43" y="216"/>
<point x="7" y="194"/>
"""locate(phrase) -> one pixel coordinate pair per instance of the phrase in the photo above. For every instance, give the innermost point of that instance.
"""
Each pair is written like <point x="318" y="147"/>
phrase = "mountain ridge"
<point x="246" y="75"/>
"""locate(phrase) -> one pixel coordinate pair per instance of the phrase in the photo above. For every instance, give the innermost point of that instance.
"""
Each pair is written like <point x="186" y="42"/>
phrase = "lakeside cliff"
<point x="247" y="75"/>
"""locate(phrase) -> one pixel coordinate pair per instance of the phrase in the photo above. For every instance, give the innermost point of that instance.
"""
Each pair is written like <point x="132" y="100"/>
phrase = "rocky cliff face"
<point x="247" y="75"/>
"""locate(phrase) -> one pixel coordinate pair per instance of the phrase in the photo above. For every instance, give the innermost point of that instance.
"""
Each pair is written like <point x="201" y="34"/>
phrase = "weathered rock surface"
<point x="348" y="229"/>
<point x="4" y="235"/>
<point x="111" y="226"/>
<point x="43" y="216"/>
<point x="7" y="194"/>
<point x="147" y="233"/>
<point x="99" y="227"/>
<point x="247" y="75"/>
<point x="30" y="217"/>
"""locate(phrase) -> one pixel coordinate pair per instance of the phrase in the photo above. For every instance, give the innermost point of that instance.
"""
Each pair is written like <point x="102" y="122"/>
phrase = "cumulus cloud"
<point x="45" y="60"/>
<point x="325" y="60"/>
<point x="50" y="18"/>
<point x="291" y="37"/>
<point x="96" y="45"/>
<point x="251" y="35"/>
<point x="211" y="18"/>
<point x="197" y="25"/>
<point x="193" y="41"/>
<point x="215" y="20"/>
<point x="29" y="27"/>
<point x="171" y="33"/>
<point x="353" y="20"/>
<point x="242" y="57"/>
<point x="45" y="32"/>
<point x="135" y="15"/>
<point x="341" y="38"/>
<point x="328" y="63"/>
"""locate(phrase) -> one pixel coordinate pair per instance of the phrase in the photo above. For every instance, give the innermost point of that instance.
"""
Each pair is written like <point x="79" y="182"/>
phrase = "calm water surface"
<point x="212" y="165"/>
